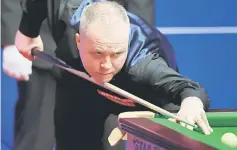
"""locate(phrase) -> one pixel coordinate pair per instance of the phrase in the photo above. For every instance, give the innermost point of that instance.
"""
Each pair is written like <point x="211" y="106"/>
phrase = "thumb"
<point x="27" y="53"/>
<point x="115" y="136"/>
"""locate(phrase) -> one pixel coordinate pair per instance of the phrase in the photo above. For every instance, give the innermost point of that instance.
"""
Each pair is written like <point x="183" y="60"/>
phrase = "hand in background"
<point x="117" y="134"/>
<point x="15" y="65"/>
<point x="24" y="44"/>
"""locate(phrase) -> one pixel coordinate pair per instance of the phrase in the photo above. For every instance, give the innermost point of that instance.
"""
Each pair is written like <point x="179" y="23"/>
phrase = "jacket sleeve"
<point x="154" y="72"/>
<point x="34" y="13"/>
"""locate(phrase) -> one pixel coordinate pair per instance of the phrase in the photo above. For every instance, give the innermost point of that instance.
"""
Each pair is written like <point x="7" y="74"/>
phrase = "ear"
<point x="77" y="35"/>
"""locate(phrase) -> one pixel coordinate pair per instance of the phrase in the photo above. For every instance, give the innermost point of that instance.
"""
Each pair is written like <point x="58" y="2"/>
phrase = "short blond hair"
<point x="100" y="10"/>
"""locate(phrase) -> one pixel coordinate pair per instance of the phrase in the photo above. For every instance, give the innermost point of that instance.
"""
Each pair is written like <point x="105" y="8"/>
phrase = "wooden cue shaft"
<point x="144" y="103"/>
<point x="130" y="96"/>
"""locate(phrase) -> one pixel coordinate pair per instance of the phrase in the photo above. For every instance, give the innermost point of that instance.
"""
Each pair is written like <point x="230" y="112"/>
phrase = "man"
<point x="110" y="52"/>
<point x="32" y="100"/>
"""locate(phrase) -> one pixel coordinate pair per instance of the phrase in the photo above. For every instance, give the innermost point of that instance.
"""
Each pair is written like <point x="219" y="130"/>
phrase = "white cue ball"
<point x="229" y="139"/>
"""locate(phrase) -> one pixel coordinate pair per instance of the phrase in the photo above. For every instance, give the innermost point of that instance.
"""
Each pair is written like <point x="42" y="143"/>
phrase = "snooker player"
<point x="114" y="47"/>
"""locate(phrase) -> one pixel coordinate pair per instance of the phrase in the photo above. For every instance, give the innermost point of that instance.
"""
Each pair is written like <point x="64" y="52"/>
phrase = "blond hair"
<point x="106" y="11"/>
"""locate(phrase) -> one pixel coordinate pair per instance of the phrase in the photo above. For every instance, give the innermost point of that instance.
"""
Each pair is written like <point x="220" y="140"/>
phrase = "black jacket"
<point x="150" y="66"/>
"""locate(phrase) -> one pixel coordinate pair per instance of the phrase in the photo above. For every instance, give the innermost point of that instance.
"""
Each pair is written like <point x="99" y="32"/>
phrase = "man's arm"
<point x="154" y="71"/>
<point x="34" y="13"/>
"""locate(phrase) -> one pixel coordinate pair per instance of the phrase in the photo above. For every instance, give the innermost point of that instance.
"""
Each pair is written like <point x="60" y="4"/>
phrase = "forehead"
<point x="99" y="31"/>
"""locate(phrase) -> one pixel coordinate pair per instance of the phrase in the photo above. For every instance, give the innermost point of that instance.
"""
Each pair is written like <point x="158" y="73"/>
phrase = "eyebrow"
<point x="120" y="50"/>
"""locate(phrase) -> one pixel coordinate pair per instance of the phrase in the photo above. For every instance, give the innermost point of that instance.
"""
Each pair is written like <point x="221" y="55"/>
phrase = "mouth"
<point x="104" y="74"/>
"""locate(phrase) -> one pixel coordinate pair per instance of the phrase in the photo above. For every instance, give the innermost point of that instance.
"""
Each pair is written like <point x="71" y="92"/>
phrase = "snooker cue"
<point x="63" y="65"/>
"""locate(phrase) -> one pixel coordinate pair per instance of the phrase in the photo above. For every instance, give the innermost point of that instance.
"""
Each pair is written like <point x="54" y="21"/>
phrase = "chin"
<point x="102" y="80"/>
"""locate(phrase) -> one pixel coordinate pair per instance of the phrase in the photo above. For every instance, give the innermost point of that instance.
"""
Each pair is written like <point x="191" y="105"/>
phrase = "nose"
<point x="106" y="64"/>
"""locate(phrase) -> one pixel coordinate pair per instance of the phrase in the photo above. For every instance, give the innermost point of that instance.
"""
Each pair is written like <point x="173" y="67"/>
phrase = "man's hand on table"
<point x="192" y="111"/>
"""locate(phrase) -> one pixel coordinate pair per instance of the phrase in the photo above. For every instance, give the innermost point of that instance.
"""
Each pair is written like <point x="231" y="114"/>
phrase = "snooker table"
<point x="159" y="133"/>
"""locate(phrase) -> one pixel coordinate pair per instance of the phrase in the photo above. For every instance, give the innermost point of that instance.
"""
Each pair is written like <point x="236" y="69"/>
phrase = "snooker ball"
<point x="229" y="139"/>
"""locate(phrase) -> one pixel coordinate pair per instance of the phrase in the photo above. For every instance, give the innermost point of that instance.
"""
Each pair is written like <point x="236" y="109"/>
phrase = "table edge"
<point x="127" y="124"/>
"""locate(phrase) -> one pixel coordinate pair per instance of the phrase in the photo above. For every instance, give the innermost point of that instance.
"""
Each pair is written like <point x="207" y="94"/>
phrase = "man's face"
<point x="103" y="49"/>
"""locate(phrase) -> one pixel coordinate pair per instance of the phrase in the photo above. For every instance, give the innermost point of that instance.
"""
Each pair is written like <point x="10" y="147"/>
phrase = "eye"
<point x="98" y="53"/>
<point x="117" y="53"/>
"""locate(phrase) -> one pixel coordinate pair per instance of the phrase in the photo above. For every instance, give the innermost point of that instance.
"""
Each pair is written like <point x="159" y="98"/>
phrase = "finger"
<point x="16" y="75"/>
<point x="190" y="120"/>
<point x="24" y="77"/>
<point x="6" y="71"/>
<point x="210" y="129"/>
<point x="27" y="55"/>
<point x="182" y="124"/>
<point x="201" y="123"/>
<point x="115" y="136"/>
<point x="125" y="137"/>
<point x="11" y="74"/>
<point x="204" y="117"/>
<point x="172" y="119"/>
